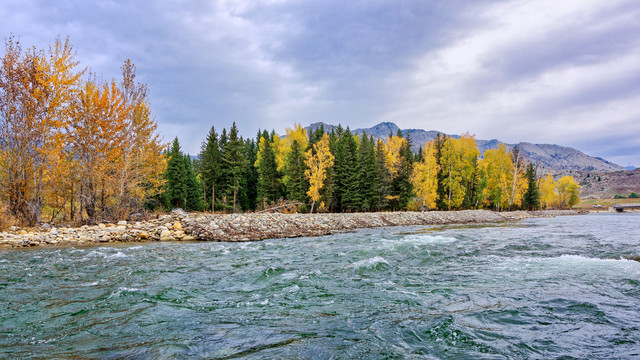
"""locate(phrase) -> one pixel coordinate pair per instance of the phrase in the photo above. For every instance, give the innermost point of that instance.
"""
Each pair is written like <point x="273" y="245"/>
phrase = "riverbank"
<point x="182" y="226"/>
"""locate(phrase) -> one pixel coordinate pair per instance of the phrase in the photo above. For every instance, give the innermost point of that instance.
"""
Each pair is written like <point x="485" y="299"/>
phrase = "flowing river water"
<point x="542" y="288"/>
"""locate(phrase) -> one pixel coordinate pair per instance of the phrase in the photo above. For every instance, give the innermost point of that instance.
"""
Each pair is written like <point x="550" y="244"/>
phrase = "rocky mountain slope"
<point x="547" y="156"/>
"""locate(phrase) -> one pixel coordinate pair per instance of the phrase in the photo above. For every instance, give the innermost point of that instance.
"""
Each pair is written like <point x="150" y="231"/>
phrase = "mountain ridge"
<point x="550" y="156"/>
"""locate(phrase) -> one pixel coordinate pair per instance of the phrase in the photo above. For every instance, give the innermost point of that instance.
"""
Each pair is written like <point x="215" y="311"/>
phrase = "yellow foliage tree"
<point x="392" y="156"/>
<point x="451" y="161"/>
<point x="567" y="190"/>
<point x="318" y="164"/>
<point x="547" y="188"/>
<point x="519" y="183"/>
<point x="36" y="88"/>
<point x="497" y="165"/>
<point x="283" y="146"/>
<point x="424" y="177"/>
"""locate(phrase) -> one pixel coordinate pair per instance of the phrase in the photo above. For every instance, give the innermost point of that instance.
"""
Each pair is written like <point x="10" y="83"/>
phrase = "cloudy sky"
<point x="543" y="71"/>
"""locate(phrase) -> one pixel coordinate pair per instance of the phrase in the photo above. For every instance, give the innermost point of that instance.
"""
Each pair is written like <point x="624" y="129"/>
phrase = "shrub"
<point x="634" y="196"/>
<point x="6" y="218"/>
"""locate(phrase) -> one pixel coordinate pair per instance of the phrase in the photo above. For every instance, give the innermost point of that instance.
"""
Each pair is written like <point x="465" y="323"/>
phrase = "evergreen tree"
<point x="266" y="168"/>
<point x="251" y="154"/>
<point x="233" y="164"/>
<point x="209" y="164"/>
<point x="182" y="186"/>
<point x="383" y="176"/>
<point x="193" y="201"/>
<point x="402" y="184"/>
<point x="337" y="149"/>
<point x="531" y="199"/>
<point x="368" y="195"/>
<point x="297" y="183"/>
<point x="176" y="189"/>
<point x="347" y="180"/>
<point x="442" y="193"/>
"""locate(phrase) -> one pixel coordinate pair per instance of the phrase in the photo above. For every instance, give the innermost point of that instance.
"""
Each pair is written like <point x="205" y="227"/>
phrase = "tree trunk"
<point x="213" y="198"/>
<point x="312" y="204"/>
<point x="234" y="201"/>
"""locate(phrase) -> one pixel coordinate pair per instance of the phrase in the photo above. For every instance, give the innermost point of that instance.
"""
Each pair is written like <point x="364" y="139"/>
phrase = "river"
<point x="540" y="288"/>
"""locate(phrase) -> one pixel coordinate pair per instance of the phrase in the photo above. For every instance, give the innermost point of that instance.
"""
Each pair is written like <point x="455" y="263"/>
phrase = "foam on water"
<point x="369" y="263"/>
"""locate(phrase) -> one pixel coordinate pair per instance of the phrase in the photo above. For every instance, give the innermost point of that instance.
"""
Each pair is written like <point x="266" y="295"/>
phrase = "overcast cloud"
<point x="544" y="71"/>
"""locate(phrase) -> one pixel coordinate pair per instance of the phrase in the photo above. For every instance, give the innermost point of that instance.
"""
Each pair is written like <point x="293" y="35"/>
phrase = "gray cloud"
<point x="546" y="71"/>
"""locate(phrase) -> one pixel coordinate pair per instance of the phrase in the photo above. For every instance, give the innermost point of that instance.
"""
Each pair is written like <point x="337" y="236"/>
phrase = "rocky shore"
<point x="182" y="226"/>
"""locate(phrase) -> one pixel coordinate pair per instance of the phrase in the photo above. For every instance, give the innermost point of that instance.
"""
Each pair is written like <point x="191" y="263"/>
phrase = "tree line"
<point x="77" y="148"/>
<point x="338" y="171"/>
<point x="72" y="146"/>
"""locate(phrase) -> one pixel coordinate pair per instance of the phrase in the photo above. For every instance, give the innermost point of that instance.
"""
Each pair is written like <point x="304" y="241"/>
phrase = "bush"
<point x="634" y="196"/>
<point x="6" y="218"/>
<point x="618" y="196"/>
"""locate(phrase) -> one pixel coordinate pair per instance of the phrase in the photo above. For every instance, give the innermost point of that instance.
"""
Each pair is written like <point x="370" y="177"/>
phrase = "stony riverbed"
<point x="183" y="226"/>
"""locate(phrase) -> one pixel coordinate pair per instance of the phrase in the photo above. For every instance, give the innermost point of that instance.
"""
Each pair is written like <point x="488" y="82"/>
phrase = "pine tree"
<point x="403" y="187"/>
<point x="209" y="159"/>
<point x="297" y="183"/>
<point x="439" y="145"/>
<point x="233" y="164"/>
<point x="383" y="176"/>
<point x="368" y="195"/>
<point x="266" y="168"/>
<point x="193" y="200"/>
<point x="251" y="154"/>
<point x="531" y="199"/>
<point x="176" y="187"/>
<point x="337" y="150"/>
<point x="347" y="180"/>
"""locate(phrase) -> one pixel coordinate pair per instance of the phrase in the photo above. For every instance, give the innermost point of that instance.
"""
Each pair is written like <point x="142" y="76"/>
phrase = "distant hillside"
<point x="551" y="156"/>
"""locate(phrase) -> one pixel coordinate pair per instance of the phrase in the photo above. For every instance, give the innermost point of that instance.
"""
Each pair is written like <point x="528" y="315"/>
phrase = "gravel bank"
<point x="182" y="226"/>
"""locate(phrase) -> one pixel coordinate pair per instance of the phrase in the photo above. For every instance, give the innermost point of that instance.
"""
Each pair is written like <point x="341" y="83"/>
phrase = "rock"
<point x="23" y="232"/>
<point x="165" y="233"/>
<point x="179" y="213"/>
<point x="102" y="226"/>
<point x="167" y="238"/>
<point x="188" y="238"/>
<point x="135" y="217"/>
<point x="122" y="223"/>
<point x="143" y="235"/>
<point x="177" y="226"/>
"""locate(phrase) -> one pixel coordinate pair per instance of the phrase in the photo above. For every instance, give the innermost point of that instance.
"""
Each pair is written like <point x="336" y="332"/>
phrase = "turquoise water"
<point x="541" y="288"/>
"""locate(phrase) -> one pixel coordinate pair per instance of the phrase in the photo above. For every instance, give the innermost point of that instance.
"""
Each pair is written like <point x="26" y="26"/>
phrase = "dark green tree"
<point x="182" y="188"/>
<point x="368" y="194"/>
<point x="401" y="186"/>
<point x="442" y="194"/>
<point x="209" y="165"/>
<point x="531" y="198"/>
<point x="233" y="164"/>
<point x="251" y="154"/>
<point x="347" y="172"/>
<point x="267" y="170"/>
<point x="297" y="183"/>
<point x="384" y="178"/>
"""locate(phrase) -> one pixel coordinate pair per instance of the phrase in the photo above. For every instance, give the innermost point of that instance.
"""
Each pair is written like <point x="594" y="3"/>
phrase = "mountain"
<point x="630" y="167"/>
<point x="550" y="156"/>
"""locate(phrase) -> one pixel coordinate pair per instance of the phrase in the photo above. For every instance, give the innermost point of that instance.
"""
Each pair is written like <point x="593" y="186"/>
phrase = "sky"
<point x="545" y="71"/>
